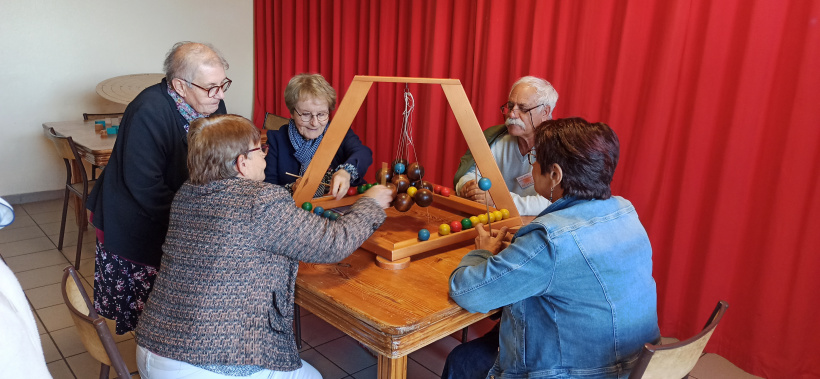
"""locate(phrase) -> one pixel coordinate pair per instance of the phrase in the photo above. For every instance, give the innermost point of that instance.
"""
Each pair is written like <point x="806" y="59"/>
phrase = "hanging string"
<point x="406" y="137"/>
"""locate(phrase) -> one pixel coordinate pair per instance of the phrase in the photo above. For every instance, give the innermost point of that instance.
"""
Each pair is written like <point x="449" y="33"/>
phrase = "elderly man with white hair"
<point x="531" y="102"/>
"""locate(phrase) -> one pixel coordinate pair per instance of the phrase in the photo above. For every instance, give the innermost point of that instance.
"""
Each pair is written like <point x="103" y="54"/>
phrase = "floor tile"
<point x="417" y="371"/>
<point x="85" y="366"/>
<point x="19" y="234"/>
<point x="87" y="268"/>
<point x="36" y="260"/>
<point x="40" y="328"/>
<point x="54" y="227"/>
<point x="55" y="317"/>
<point x="45" y="296"/>
<point x="59" y="370"/>
<point x="49" y="349"/>
<point x="369" y="373"/>
<point x="70" y="239"/>
<point x="128" y="351"/>
<point x="21" y="220"/>
<point x="68" y="341"/>
<point x="316" y="331"/>
<point x="41" y="276"/>
<point x="347" y="354"/>
<point x="70" y="252"/>
<point x="42" y="206"/>
<point x="50" y="217"/>
<point x="433" y="356"/>
<point x="325" y="366"/>
<point x="31" y="245"/>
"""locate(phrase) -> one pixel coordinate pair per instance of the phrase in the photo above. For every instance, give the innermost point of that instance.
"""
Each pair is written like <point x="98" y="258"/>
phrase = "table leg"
<point x="392" y="368"/>
<point x="79" y="213"/>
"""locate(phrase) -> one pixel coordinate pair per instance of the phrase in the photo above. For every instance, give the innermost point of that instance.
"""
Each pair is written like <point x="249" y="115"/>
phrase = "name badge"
<point x="525" y="180"/>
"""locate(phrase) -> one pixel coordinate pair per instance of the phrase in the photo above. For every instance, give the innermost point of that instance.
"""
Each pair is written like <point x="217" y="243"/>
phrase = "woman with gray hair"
<point x="222" y="305"/>
<point x="130" y="203"/>
<point x="310" y="99"/>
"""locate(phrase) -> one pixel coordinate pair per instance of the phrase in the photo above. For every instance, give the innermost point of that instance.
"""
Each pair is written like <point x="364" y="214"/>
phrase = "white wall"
<point x="54" y="52"/>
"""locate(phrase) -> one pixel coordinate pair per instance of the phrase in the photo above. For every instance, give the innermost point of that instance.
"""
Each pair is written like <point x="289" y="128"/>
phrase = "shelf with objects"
<point x="399" y="238"/>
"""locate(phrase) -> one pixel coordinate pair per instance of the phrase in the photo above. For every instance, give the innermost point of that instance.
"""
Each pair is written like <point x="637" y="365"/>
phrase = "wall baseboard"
<point x="32" y="197"/>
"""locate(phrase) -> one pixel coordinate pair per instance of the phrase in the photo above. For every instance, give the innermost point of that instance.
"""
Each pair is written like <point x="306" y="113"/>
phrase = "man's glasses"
<point x="531" y="157"/>
<point x="307" y="116"/>
<point x="509" y="108"/>
<point x="212" y="91"/>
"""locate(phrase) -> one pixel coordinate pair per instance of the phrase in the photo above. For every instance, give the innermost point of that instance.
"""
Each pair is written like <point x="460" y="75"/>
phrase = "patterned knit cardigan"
<point x="224" y="292"/>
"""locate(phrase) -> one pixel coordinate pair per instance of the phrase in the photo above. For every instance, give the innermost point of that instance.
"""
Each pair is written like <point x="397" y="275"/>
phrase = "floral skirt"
<point x="121" y="288"/>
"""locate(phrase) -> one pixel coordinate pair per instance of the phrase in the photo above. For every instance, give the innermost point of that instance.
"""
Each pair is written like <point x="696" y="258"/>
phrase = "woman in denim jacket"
<point x="575" y="285"/>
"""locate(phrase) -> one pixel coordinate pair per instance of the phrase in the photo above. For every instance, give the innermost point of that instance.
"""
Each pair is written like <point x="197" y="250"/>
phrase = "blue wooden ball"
<point x="424" y="234"/>
<point x="318" y="210"/>
<point x="334" y="216"/>
<point x="484" y="184"/>
<point x="399" y="168"/>
<point x="327" y="213"/>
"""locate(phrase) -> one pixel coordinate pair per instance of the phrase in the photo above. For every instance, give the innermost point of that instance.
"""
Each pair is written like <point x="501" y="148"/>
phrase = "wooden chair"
<point x="677" y="359"/>
<point x="93" y="331"/>
<point x="274" y="122"/>
<point x="98" y="116"/>
<point x="68" y="151"/>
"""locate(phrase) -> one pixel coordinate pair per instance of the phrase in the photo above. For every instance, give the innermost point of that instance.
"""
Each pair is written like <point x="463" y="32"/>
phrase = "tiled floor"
<point x="29" y="247"/>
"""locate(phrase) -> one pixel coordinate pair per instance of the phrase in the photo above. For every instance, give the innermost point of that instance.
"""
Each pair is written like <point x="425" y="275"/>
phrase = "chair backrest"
<point x="93" y="331"/>
<point x="68" y="151"/>
<point x="676" y="360"/>
<point x="274" y="122"/>
<point x="100" y="116"/>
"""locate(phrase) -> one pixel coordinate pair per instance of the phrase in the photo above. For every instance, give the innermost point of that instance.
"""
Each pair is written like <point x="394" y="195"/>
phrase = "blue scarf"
<point x="187" y="111"/>
<point x="305" y="149"/>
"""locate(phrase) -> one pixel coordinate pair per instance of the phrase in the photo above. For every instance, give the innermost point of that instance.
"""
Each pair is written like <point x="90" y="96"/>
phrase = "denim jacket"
<point x="576" y="289"/>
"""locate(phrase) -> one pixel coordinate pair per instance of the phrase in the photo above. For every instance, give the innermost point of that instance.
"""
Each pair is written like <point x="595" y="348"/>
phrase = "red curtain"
<point x="720" y="144"/>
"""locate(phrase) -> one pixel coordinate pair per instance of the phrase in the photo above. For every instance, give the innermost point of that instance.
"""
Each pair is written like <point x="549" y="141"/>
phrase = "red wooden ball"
<point x="352" y="191"/>
<point x="437" y="189"/>
<point x="402" y="182"/>
<point x="455" y="226"/>
<point x="423" y="197"/>
<point x="415" y="171"/>
<point x="445" y="191"/>
<point x="403" y="202"/>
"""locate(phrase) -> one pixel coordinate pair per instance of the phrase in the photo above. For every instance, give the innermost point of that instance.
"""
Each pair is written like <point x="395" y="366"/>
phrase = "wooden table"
<point x="394" y="312"/>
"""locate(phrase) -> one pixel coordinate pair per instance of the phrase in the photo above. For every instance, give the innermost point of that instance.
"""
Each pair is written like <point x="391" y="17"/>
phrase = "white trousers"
<point x="153" y="366"/>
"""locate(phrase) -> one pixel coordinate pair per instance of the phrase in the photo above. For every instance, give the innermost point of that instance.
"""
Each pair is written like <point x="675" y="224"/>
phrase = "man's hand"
<point x="339" y="184"/>
<point x="471" y="191"/>
<point x="495" y="243"/>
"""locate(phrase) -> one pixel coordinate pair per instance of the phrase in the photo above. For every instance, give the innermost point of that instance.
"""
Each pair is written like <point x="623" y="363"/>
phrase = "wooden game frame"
<point x="473" y="135"/>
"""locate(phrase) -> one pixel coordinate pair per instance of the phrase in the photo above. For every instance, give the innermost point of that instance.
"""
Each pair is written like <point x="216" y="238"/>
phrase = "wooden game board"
<point x="397" y="239"/>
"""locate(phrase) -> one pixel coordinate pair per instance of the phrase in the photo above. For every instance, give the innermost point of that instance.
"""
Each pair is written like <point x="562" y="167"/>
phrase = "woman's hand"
<point x="471" y="191"/>
<point x="494" y="244"/>
<point x="380" y="193"/>
<point x="339" y="184"/>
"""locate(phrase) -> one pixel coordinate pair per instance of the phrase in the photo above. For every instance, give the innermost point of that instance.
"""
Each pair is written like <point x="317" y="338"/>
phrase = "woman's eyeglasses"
<point x="263" y="148"/>
<point x="307" y="116"/>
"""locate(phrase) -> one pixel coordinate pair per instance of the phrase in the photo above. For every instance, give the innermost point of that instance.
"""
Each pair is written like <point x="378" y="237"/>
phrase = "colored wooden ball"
<point x="423" y="197"/>
<point x="423" y="184"/>
<point x="505" y="213"/>
<point x="384" y="173"/>
<point x="361" y="188"/>
<point x="445" y="191"/>
<point x="402" y="183"/>
<point x="466" y="224"/>
<point x="474" y="220"/>
<point x="397" y="161"/>
<point x="334" y="216"/>
<point x="403" y="202"/>
<point x="352" y="191"/>
<point x="307" y="206"/>
<point x="318" y="210"/>
<point x="392" y="187"/>
<point x="415" y="171"/>
<point x="424" y="234"/>
<point x="498" y="215"/>
<point x="398" y="168"/>
<point x="455" y="226"/>
<point x="412" y="191"/>
<point x="368" y="186"/>
<point x="491" y="216"/>
<point x="437" y="189"/>
<point x="484" y="184"/>
<point x="482" y="218"/>
<point x="327" y="213"/>
<point x="444" y="229"/>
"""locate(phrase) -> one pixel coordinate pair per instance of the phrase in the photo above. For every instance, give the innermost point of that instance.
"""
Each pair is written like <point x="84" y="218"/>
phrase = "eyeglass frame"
<point x="531" y="157"/>
<point x="302" y="116"/>
<point x="226" y="84"/>
<point x="520" y="111"/>
<point x="264" y="148"/>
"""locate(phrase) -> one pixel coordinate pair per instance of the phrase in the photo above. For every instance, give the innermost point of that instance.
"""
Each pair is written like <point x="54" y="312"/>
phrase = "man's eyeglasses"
<point x="212" y="91"/>
<point x="307" y="116"/>
<point x="531" y="157"/>
<point x="509" y="108"/>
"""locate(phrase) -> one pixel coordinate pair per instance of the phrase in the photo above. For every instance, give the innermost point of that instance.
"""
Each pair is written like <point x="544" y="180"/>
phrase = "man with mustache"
<point x="530" y="103"/>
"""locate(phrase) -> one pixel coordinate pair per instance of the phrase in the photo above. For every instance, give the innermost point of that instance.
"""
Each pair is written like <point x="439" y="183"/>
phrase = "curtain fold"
<point x="714" y="104"/>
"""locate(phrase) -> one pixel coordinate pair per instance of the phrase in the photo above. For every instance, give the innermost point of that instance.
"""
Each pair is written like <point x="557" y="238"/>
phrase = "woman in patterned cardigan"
<point x="222" y="304"/>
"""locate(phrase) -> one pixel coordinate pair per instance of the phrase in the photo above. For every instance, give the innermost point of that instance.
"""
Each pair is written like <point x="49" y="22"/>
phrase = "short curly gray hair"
<point x="185" y="58"/>
<point x="544" y="90"/>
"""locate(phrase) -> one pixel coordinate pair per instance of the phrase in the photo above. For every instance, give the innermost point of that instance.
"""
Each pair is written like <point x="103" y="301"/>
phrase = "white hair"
<point x="543" y="90"/>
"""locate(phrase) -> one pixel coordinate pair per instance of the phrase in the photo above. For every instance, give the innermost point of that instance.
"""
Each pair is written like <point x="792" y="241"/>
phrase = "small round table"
<point x="123" y="89"/>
